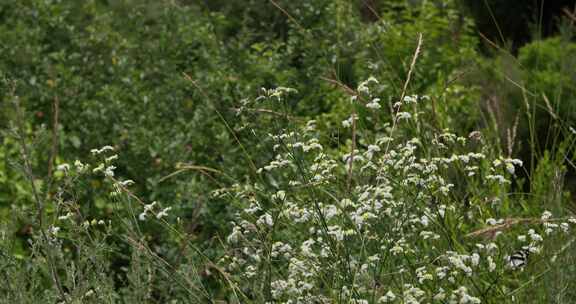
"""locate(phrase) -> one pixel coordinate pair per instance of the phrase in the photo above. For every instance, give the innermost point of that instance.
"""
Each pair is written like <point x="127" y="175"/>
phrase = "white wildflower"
<point x="65" y="217"/>
<point x="63" y="167"/>
<point x="102" y="150"/>
<point x="535" y="236"/>
<point x="111" y="158"/>
<point x="374" y="104"/>
<point x="234" y="237"/>
<point x="163" y="213"/>
<point x="98" y="169"/>
<point x="53" y="230"/>
<point x="265" y="219"/>
<point x="109" y="172"/>
<point x="499" y="178"/>
<point x="475" y="259"/>
<point x="403" y="115"/>
<point x="491" y="264"/>
<point x="388" y="297"/>
<point x="126" y="183"/>
<point x="147" y="208"/>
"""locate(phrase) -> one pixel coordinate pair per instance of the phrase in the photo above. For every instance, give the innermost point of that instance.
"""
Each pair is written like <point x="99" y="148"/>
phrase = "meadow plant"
<point x="387" y="218"/>
<point x="427" y="219"/>
<point x="372" y="202"/>
<point x="83" y="253"/>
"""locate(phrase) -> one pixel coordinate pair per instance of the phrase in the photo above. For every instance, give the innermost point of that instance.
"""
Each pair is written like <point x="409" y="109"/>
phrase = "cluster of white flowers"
<point x="78" y="167"/>
<point x="395" y="225"/>
<point x="63" y="167"/>
<point x="277" y="93"/>
<point x="105" y="167"/>
<point x="348" y="122"/>
<point x="364" y="86"/>
<point x="149" y="208"/>
<point x="102" y="150"/>
<point x="374" y="104"/>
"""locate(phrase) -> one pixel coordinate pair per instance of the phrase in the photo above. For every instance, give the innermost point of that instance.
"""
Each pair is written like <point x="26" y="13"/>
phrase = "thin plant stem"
<point x="36" y="194"/>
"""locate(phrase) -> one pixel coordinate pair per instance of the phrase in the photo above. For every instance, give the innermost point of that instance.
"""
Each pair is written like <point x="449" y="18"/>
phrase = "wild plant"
<point x="76" y="251"/>
<point x="392" y="219"/>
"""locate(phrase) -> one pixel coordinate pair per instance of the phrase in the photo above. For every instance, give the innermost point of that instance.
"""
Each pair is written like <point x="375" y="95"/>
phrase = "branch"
<point x="54" y="150"/>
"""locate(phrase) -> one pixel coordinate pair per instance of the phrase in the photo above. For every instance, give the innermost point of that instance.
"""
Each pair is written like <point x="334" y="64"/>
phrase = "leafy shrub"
<point x="549" y="74"/>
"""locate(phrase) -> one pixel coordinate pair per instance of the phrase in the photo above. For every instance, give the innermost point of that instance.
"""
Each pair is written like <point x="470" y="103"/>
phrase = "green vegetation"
<point x="327" y="151"/>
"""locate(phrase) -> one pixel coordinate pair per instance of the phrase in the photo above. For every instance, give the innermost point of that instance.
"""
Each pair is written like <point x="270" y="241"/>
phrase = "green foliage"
<point x="528" y="100"/>
<point x="549" y="71"/>
<point x="187" y="93"/>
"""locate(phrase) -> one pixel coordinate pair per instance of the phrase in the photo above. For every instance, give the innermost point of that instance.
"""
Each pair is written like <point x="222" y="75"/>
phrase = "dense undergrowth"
<point x="282" y="152"/>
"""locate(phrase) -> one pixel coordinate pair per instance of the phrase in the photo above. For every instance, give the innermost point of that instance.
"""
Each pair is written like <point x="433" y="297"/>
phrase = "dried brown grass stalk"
<point x="490" y="232"/>
<point x="412" y="65"/>
<point x="549" y="107"/>
<point x="408" y="78"/>
<point x="287" y="15"/>
<point x="511" y="136"/>
<point x="266" y="111"/>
